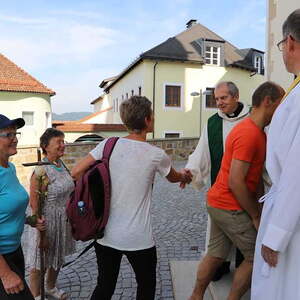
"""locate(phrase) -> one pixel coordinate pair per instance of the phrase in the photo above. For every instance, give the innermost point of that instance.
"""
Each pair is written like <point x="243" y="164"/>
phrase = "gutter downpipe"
<point x="153" y="97"/>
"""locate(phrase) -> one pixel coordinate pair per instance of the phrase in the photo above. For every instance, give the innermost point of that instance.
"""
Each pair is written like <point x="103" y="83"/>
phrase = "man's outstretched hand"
<point x="186" y="177"/>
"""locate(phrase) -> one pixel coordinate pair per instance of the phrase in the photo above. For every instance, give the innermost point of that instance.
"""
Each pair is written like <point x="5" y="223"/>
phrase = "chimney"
<point x="191" y="23"/>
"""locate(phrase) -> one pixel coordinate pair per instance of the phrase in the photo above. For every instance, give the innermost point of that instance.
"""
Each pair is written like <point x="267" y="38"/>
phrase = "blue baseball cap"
<point x="6" y="122"/>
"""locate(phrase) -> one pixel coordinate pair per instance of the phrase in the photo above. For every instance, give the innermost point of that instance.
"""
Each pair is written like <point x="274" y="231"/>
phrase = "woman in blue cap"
<point x="13" y="203"/>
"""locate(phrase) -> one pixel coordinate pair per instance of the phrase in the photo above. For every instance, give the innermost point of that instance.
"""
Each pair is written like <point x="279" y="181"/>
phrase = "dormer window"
<point x="211" y="50"/>
<point x="212" y="55"/>
<point x="258" y="64"/>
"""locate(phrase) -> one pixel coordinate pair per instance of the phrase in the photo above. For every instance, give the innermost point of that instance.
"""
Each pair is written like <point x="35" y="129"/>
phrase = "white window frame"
<point x="211" y="58"/>
<point x="258" y="59"/>
<point x="28" y="111"/>
<point x="116" y="105"/>
<point x="181" y="96"/>
<point x="180" y="132"/>
<point x="204" y="95"/>
<point x="48" y="119"/>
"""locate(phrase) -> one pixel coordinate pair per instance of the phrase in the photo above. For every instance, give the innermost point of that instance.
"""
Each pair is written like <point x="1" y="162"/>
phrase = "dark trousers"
<point x="15" y="260"/>
<point x="143" y="263"/>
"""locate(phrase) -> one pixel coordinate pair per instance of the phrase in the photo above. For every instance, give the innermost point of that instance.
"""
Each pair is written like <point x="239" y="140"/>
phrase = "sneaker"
<point x="39" y="297"/>
<point x="57" y="294"/>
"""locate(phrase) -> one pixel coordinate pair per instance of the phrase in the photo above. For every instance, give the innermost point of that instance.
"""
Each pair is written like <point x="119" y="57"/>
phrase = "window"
<point x="172" y="135"/>
<point x="140" y="91"/>
<point x="172" y="95"/>
<point x="132" y="92"/>
<point x="212" y="55"/>
<point x="28" y="117"/>
<point x="257" y="64"/>
<point x="210" y="101"/>
<point x="116" y="105"/>
<point x="48" y="120"/>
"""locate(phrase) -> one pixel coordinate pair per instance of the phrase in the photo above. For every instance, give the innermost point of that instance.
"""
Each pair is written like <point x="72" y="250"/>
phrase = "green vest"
<point x="215" y="143"/>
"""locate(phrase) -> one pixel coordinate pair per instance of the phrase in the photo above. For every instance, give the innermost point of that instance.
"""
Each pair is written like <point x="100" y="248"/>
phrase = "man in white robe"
<point x="276" y="274"/>
<point x="205" y="161"/>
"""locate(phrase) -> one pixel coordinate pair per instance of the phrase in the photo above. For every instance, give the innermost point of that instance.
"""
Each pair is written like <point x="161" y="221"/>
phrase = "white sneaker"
<point x="56" y="293"/>
<point x="39" y="297"/>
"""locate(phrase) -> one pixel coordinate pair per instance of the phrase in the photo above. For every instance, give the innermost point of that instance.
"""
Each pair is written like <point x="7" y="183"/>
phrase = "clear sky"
<point x="71" y="45"/>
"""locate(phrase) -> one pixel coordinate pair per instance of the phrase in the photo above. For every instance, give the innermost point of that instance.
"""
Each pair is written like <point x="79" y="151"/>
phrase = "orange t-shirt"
<point x="245" y="142"/>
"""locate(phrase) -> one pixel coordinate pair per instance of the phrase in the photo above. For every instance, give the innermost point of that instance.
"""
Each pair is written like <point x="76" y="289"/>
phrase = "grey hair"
<point x="232" y="88"/>
<point x="292" y="25"/>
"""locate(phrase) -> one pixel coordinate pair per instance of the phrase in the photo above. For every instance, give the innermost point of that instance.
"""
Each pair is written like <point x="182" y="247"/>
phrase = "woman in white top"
<point x="133" y="165"/>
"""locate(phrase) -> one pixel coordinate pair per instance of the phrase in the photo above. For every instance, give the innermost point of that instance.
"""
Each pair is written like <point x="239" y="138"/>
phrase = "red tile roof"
<point x="15" y="79"/>
<point x="79" y="127"/>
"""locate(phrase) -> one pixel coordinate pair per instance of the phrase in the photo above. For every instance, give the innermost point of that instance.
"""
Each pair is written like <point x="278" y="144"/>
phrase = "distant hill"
<point x="70" y="116"/>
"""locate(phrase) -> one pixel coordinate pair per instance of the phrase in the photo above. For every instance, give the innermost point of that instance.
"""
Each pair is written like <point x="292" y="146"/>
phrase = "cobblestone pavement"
<point x="179" y="223"/>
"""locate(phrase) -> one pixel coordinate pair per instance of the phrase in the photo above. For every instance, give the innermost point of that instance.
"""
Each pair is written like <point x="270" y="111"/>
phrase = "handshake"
<point x="186" y="177"/>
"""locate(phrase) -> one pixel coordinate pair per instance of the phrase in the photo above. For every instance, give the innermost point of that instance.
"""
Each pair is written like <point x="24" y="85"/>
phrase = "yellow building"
<point x="23" y="96"/>
<point x="179" y="75"/>
<point x="278" y="11"/>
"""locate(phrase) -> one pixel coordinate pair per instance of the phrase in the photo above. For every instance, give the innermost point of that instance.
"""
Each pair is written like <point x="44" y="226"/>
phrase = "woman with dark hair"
<point x="58" y="234"/>
<point x="133" y="165"/>
<point x="14" y="200"/>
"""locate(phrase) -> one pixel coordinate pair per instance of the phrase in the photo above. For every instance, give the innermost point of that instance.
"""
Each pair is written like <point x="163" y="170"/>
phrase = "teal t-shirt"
<point x="13" y="203"/>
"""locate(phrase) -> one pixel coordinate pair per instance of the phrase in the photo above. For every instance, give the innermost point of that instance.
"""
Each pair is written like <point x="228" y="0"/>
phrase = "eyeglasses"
<point x="280" y="44"/>
<point x="11" y="135"/>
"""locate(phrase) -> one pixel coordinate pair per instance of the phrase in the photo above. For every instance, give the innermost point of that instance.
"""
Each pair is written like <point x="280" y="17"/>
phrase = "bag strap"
<point x="62" y="162"/>
<point x="108" y="148"/>
<point x="86" y="249"/>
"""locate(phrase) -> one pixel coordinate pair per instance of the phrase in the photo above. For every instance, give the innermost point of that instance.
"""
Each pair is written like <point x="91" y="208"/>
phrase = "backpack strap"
<point x="86" y="249"/>
<point x="64" y="165"/>
<point x="108" y="148"/>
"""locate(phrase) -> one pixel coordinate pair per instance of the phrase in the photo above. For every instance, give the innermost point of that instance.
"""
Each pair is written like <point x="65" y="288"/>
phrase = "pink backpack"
<point x="88" y="206"/>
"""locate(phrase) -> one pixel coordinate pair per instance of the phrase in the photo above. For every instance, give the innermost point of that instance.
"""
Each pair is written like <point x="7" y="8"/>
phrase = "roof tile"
<point x="15" y="79"/>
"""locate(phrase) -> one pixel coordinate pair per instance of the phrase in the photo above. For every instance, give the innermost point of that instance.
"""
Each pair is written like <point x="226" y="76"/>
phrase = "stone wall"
<point x="177" y="149"/>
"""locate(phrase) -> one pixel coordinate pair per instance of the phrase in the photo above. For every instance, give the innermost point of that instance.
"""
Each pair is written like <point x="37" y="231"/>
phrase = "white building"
<point x="21" y="95"/>
<point x="278" y="11"/>
<point x="179" y="76"/>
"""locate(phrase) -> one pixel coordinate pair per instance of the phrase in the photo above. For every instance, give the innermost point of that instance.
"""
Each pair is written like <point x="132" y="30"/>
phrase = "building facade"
<point x="23" y="96"/>
<point x="278" y="11"/>
<point x="179" y="75"/>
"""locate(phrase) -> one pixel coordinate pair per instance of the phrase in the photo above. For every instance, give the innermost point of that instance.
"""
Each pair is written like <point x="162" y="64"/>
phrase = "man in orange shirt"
<point x="232" y="200"/>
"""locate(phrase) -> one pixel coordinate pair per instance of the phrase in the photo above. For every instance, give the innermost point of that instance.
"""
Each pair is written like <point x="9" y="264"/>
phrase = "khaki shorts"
<point x="231" y="227"/>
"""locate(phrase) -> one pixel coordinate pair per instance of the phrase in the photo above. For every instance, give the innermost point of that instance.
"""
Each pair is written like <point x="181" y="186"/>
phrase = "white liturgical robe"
<point x="280" y="221"/>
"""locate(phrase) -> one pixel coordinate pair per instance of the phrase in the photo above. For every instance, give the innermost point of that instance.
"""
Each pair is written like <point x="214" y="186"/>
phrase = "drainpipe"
<point x="153" y="98"/>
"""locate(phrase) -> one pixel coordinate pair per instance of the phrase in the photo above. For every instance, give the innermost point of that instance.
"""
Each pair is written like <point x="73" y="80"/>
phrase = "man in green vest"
<point x="205" y="161"/>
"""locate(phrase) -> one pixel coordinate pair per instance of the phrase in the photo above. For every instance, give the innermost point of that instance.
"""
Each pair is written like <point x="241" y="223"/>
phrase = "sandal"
<point x="57" y="294"/>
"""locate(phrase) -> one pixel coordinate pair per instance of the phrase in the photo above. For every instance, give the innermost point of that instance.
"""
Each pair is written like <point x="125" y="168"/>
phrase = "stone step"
<point x="183" y="278"/>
